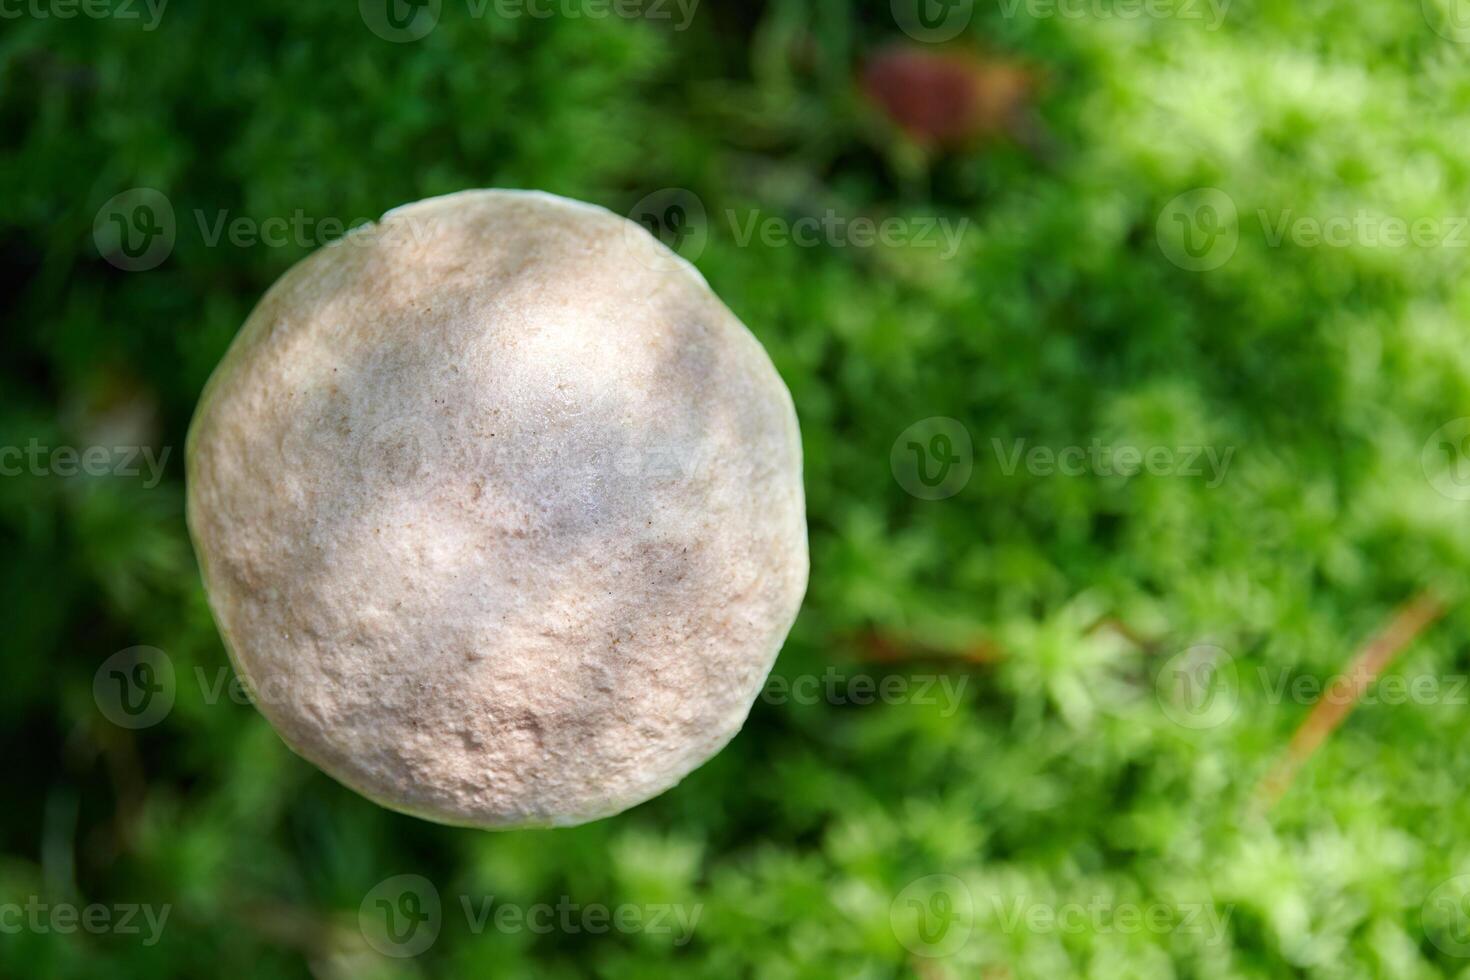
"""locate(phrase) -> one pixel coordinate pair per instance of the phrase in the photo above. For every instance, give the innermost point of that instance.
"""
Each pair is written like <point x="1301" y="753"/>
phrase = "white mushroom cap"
<point x="500" y="512"/>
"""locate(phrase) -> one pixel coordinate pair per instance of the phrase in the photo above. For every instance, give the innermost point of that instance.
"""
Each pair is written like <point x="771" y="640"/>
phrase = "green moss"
<point x="1058" y="777"/>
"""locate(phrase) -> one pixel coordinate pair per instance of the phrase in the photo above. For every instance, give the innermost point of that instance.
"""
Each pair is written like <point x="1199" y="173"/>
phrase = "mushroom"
<point x="499" y="511"/>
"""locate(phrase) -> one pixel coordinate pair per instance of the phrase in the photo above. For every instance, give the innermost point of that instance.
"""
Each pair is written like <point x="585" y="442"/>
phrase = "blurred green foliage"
<point x="1064" y="777"/>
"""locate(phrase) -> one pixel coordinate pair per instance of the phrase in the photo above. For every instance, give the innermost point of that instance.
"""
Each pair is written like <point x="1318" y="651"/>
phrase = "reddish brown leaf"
<point x="946" y="98"/>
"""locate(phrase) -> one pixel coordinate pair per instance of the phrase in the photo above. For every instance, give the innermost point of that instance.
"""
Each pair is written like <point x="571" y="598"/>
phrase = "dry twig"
<point x="1342" y="695"/>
